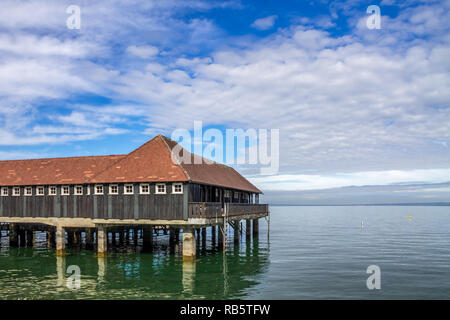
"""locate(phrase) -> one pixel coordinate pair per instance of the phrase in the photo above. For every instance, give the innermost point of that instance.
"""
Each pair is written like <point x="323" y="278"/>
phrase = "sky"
<point x="363" y="114"/>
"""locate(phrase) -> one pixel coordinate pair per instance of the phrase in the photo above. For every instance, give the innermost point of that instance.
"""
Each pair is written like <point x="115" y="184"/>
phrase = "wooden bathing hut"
<point x="146" y="189"/>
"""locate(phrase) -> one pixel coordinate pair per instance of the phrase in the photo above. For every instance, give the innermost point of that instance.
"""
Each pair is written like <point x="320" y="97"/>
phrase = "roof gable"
<point x="151" y="162"/>
<point x="210" y="172"/>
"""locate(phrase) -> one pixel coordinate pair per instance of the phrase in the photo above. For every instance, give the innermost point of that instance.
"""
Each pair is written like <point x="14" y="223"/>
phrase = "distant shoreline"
<point x="436" y="204"/>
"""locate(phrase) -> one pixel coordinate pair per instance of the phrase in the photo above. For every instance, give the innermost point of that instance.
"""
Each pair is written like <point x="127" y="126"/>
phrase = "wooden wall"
<point x="135" y="206"/>
<point x="206" y="193"/>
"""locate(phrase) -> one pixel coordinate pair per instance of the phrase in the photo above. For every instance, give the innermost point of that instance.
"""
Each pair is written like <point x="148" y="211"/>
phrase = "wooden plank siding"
<point x="122" y="206"/>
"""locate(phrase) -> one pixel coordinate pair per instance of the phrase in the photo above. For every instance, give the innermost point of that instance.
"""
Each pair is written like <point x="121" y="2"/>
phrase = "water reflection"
<point x="29" y="273"/>
<point x="188" y="278"/>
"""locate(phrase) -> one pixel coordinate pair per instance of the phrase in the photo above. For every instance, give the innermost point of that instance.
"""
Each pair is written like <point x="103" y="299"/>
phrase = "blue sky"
<point x="355" y="107"/>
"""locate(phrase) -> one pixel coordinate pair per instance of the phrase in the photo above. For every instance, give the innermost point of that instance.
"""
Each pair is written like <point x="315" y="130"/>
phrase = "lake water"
<point x="312" y="253"/>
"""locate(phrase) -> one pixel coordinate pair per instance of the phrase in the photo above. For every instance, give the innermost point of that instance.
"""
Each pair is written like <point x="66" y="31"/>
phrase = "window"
<point x="217" y="193"/>
<point x="52" y="191"/>
<point x="65" y="191"/>
<point x="40" y="191"/>
<point x="236" y="195"/>
<point x="160" y="188"/>
<point x="113" y="189"/>
<point x="128" y="189"/>
<point x="28" y="191"/>
<point x="4" y="191"/>
<point x="177" y="188"/>
<point x="79" y="190"/>
<point x="16" y="191"/>
<point x="88" y="190"/>
<point x="98" y="189"/>
<point x="144" y="189"/>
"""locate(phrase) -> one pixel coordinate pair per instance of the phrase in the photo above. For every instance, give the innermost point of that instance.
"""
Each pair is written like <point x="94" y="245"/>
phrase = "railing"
<point x="205" y="209"/>
<point x="236" y="209"/>
<point x="215" y="209"/>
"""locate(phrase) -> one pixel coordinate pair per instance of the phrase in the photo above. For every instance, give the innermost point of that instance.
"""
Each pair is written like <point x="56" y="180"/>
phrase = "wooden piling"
<point x="21" y="237"/>
<point x="203" y="238"/>
<point x="248" y="229"/>
<point x="255" y="227"/>
<point x="89" y="238"/>
<point x="213" y="235"/>
<point x="70" y="238"/>
<point x="135" y="236"/>
<point x="13" y="235"/>
<point x="172" y="237"/>
<point x="102" y="241"/>
<point x="189" y="243"/>
<point x="29" y="236"/>
<point x="220" y="238"/>
<point x="50" y="239"/>
<point x="237" y="225"/>
<point x="60" y="240"/>
<point x="148" y="239"/>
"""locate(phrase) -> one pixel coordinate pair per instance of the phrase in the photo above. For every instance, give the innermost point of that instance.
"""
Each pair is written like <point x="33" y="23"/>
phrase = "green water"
<point x="129" y="273"/>
<point x="312" y="253"/>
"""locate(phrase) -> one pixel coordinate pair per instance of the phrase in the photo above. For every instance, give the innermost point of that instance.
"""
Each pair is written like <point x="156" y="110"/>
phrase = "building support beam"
<point x="60" y="240"/>
<point x="213" y="235"/>
<point x="102" y="241"/>
<point x="21" y="237"/>
<point x="135" y="236"/>
<point x="177" y="235"/>
<point x="70" y="238"/>
<point x="189" y="244"/>
<point x="237" y="225"/>
<point x="220" y="238"/>
<point x="29" y="234"/>
<point x="203" y="238"/>
<point x="121" y="237"/>
<point x="248" y="229"/>
<point x="89" y="238"/>
<point x="148" y="238"/>
<point x="50" y="238"/>
<point x="172" y="237"/>
<point x="13" y="235"/>
<point x="255" y="227"/>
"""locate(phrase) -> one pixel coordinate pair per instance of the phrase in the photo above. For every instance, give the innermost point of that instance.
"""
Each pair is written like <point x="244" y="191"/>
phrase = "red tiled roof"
<point x="74" y="170"/>
<point x="152" y="162"/>
<point x="211" y="173"/>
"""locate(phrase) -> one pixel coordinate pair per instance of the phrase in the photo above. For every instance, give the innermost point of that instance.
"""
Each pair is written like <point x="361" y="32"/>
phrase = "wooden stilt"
<point x="60" y="240"/>
<point x="102" y="241"/>
<point x="248" y="229"/>
<point x="189" y="243"/>
<point x="255" y="227"/>
<point x="89" y="238"/>
<point x="213" y="235"/>
<point x="237" y="225"/>
<point x="148" y="239"/>
<point x="13" y="235"/>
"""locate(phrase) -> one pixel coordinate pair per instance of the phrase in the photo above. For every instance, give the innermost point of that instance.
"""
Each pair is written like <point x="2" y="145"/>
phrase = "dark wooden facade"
<point x="153" y="206"/>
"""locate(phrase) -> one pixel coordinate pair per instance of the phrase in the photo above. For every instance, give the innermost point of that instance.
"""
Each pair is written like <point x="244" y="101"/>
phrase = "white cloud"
<point x="143" y="52"/>
<point x="339" y="180"/>
<point x="366" y="101"/>
<point x="264" y="23"/>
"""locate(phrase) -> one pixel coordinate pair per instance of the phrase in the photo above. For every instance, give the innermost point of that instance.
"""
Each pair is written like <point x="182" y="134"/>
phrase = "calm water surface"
<point x="312" y="253"/>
